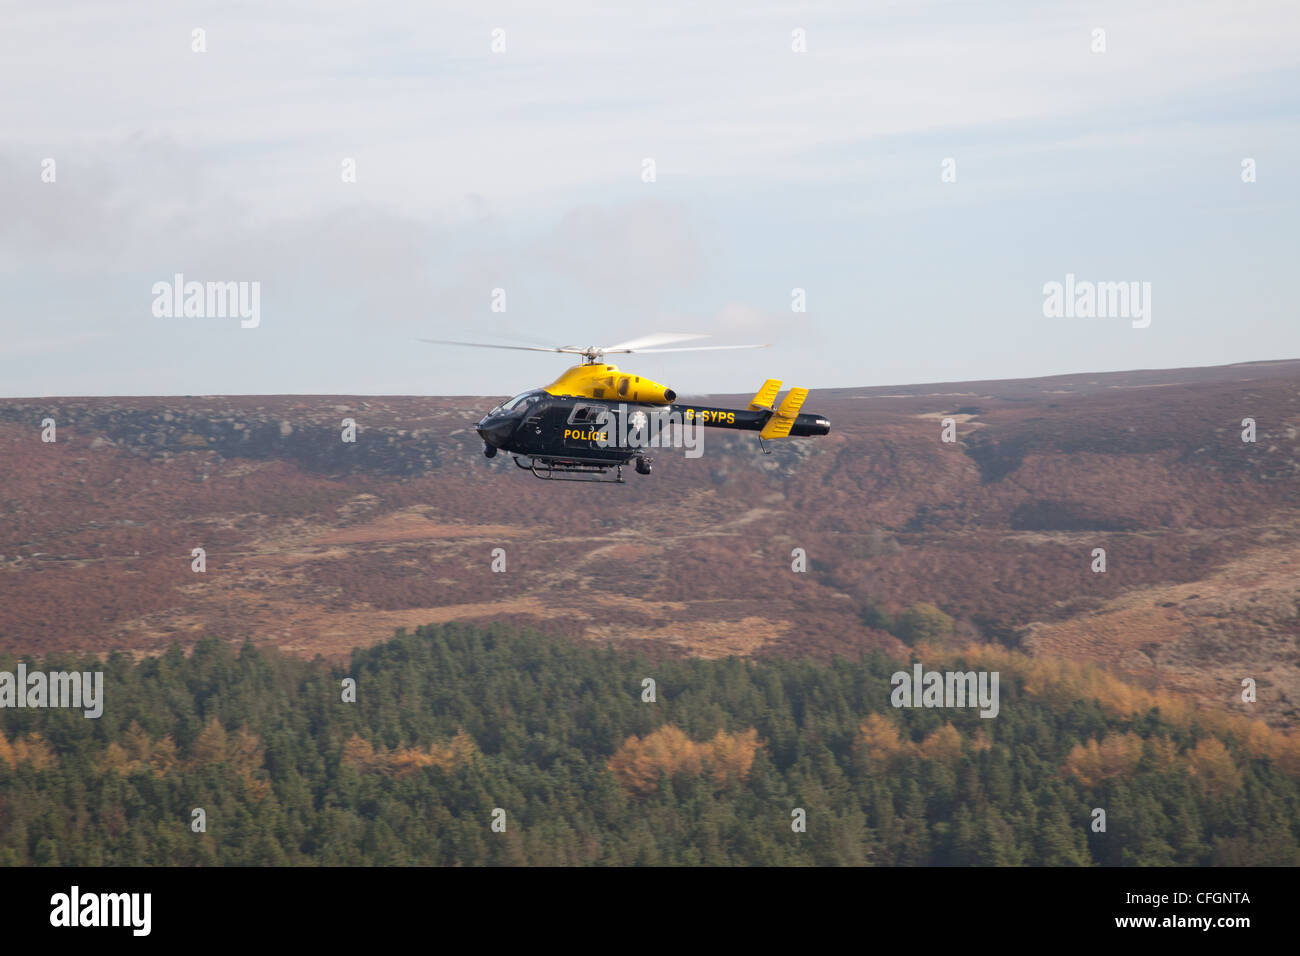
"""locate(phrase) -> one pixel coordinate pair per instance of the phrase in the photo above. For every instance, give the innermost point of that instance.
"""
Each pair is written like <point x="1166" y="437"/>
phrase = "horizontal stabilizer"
<point x="782" y="420"/>
<point x="793" y="402"/>
<point x="765" y="397"/>
<point x="776" y="427"/>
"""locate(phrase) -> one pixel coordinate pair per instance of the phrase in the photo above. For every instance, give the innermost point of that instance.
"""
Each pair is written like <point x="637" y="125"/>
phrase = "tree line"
<point x="453" y="724"/>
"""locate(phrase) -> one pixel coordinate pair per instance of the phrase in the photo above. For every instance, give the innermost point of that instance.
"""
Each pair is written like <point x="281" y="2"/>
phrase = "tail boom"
<point x="802" y="425"/>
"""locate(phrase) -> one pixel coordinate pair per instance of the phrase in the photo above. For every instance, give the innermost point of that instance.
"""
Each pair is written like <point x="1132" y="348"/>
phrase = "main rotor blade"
<point x="636" y="345"/>
<point x="655" y="338"/>
<point x="486" y="345"/>
<point x="699" y="348"/>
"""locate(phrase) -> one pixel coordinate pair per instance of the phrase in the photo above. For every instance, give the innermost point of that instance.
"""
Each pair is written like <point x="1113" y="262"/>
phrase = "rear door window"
<point x="585" y="414"/>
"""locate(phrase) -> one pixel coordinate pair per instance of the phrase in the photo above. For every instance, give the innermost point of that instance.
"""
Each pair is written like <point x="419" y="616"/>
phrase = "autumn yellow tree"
<point x="162" y="755"/>
<point x="730" y="756"/>
<point x="359" y="753"/>
<point x="31" y="749"/>
<point x="1115" y="755"/>
<point x="1212" y="765"/>
<point x="668" y="750"/>
<point x="879" y="741"/>
<point x="210" y="746"/>
<point x="401" y="761"/>
<point x="943" y="744"/>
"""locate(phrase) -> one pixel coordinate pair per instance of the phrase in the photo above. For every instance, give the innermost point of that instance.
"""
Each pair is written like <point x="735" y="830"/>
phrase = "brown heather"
<point x="316" y="547"/>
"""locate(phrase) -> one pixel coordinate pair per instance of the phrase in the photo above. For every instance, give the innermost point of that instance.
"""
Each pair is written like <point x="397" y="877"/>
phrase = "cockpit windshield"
<point x="520" y="403"/>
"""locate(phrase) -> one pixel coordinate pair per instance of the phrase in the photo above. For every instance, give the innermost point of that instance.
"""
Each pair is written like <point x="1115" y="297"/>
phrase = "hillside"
<point x="317" y="546"/>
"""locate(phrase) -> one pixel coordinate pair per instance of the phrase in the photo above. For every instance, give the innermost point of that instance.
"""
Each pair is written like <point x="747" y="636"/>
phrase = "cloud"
<point x="624" y="254"/>
<point x="521" y="170"/>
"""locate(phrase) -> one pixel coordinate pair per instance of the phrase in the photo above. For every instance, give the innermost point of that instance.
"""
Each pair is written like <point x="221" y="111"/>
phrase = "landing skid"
<point x="551" y="469"/>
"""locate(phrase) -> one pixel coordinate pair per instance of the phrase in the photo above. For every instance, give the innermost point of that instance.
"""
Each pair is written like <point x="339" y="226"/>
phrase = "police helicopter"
<point x="596" y="418"/>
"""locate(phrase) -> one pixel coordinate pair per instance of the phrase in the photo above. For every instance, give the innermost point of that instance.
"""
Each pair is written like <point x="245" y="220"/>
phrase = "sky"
<point x="920" y="170"/>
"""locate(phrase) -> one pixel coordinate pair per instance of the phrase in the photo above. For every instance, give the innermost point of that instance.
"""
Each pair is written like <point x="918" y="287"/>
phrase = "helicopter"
<point x="595" y="419"/>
